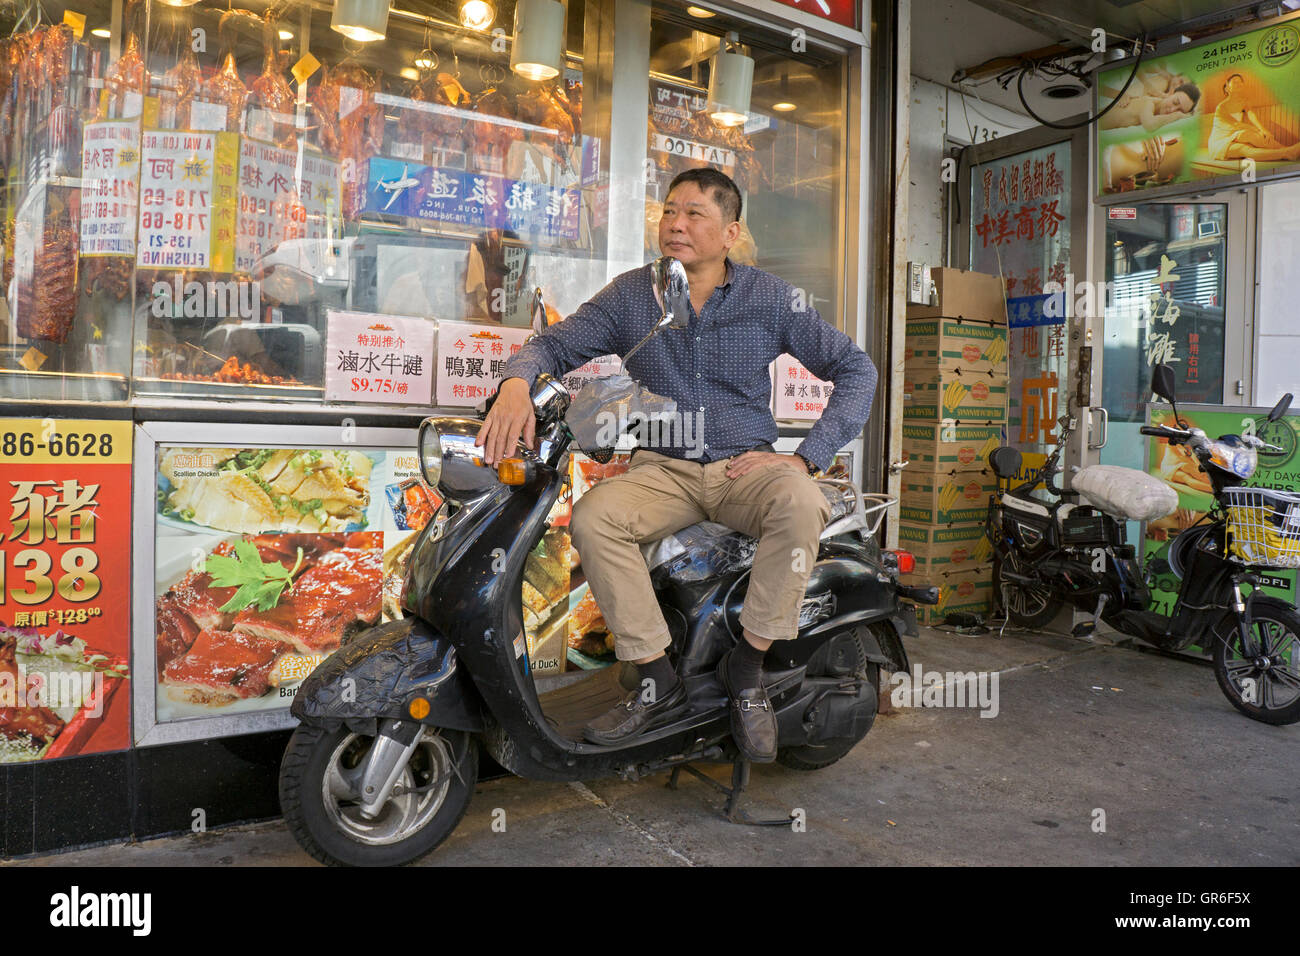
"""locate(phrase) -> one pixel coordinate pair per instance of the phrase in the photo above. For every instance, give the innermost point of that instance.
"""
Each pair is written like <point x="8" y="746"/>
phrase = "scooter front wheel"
<point x="1264" y="682"/>
<point x="320" y="780"/>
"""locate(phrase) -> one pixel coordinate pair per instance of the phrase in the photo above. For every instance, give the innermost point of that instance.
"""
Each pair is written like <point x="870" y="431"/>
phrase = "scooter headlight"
<point x="1239" y="460"/>
<point x="430" y="445"/>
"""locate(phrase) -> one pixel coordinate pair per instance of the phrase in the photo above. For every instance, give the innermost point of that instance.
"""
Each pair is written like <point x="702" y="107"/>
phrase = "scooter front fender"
<point x="379" y="673"/>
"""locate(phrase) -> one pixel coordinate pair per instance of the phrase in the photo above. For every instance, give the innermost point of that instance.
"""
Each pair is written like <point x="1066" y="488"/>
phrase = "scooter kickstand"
<point x="733" y="811"/>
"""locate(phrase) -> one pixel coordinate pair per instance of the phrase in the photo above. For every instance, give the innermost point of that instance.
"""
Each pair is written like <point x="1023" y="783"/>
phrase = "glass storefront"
<point x="200" y="200"/>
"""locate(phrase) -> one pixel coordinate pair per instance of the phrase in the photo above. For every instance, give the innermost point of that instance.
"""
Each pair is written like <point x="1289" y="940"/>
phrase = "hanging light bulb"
<point x="538" y="49"/>
<point x="476" y="14"/>
<point x="730" y="82"/>
<point x="362" y="20"/>
<point x="286" y="34"/>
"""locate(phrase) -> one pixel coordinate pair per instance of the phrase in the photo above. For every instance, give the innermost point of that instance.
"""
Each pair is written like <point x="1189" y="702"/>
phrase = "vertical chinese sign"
<point x="65" y="575"/>
<point x="1020" y="215"/>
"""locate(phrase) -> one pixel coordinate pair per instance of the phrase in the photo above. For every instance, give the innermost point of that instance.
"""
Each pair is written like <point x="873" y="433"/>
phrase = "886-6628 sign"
<point x="65" y="550"/>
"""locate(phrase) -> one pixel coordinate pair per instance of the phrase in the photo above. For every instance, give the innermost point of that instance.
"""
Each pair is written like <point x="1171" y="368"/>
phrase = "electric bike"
<point x="385" y="760"/>
<point x="1072" y="552"/>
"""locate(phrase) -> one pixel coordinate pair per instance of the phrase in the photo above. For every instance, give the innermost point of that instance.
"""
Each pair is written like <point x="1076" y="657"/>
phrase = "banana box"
<point x="958" y="292"/>
<point x="955" y="344"/>
<point x="959" y="395"/>
<point x="930" y="499"/>
<point x="967" y="591"/>
<point x="949" y="448"/>
<point x="939" y="548"/>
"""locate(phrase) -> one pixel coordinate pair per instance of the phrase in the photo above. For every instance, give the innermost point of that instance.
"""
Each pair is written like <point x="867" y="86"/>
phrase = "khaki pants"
<point x="781" y="507"/>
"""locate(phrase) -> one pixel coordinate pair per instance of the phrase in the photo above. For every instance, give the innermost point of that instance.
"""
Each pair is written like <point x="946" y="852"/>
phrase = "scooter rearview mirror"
<point x="1162" y="384"/>
<point x="673" y="290"/>
<point x="1281" y="408"/>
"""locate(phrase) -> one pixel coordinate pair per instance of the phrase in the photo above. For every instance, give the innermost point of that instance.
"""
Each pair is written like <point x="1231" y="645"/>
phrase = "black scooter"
<point x="385" y="761"/>
<point x="1067" y="552"/>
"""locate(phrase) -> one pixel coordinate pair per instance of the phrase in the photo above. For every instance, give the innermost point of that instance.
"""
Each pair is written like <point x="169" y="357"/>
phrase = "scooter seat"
<point x="707" y="549"/>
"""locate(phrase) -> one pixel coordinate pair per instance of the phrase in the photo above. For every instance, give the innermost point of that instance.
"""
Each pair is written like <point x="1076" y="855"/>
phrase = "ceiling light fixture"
<point x="476" y="14"/>
<point x="103" y="32"/>
<point x="784" y="107"/>
<point x="180" y="3"/>
<point x="537" y="52"/>
<point x="362" y="20"/>
<point x="700" y="12"/>
<point x="286" y="34"/>
<point x="730" y="83"/>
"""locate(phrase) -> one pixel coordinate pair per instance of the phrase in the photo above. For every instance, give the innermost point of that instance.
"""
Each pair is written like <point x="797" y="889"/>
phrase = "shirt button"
<point x="697" y="338"/>
<point x="701" y="408"/>
<point x="697" y="374"/>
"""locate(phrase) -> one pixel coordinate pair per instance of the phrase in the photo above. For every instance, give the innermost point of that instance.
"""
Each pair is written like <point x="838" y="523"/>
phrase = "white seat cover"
<point x="1125" y="492"/>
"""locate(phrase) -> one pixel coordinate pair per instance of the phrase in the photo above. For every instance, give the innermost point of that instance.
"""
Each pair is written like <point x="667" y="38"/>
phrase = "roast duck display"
<point x="435" y="130"/>
<point x="271" y="91"/>
<point x="213" y="657"/>
<point x="350" y="123"/>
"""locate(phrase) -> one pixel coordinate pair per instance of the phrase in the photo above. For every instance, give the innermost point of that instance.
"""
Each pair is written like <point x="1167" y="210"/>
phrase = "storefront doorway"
<point x="1176" y="275"/>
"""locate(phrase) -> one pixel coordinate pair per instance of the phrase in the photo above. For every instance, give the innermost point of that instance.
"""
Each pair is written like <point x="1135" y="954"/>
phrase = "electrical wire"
<point x="1020" y="91"/>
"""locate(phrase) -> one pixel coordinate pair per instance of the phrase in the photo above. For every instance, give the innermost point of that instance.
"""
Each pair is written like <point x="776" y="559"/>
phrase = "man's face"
<point x="692" y="228"/>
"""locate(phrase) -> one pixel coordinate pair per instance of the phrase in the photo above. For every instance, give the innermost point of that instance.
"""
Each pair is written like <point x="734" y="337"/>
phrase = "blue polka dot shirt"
<point x="718" y="366"/>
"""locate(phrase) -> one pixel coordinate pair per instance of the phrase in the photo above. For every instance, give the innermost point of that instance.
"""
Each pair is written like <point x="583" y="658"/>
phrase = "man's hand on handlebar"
<point x="511" y="414"/>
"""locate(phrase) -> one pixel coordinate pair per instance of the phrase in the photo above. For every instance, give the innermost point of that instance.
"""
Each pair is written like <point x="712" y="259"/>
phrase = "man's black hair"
<point x="724" y="191"/>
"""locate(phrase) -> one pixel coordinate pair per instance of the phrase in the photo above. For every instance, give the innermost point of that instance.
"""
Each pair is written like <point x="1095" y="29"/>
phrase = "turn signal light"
<point x="511" y="471"/>
<point x="904" y="561"/>
<point x="419" y="708"/>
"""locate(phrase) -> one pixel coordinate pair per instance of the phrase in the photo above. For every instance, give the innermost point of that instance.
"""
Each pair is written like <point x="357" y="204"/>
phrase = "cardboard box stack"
<point x="954" y="410"/>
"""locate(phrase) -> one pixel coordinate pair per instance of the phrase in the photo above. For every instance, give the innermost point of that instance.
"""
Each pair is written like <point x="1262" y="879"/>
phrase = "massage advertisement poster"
<point x="65" y="585"/>
<point x="1224" y="110"/>
<point x="1176" y="466"/>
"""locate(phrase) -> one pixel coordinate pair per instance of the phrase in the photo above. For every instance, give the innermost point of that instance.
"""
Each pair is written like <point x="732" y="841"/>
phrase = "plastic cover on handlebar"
<point x="607" y="407"/>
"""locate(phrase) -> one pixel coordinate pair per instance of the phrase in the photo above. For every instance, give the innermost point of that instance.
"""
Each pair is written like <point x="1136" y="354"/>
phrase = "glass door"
<point x="1176" y="294"/>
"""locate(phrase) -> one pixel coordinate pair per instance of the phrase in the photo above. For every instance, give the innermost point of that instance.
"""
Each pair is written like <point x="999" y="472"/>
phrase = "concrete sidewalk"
<point x="1182" y="778"/>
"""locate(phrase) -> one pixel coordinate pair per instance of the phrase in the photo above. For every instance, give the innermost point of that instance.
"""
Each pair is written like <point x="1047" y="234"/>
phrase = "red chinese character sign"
<point x="65" y="576"/>
<point x="844" y="12"/>
<point x="378" y="358"/>
<point x="1020" y="217"/>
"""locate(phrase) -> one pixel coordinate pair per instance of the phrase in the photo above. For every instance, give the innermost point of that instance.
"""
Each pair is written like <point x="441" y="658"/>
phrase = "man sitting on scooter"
<point x="741" y="319"/>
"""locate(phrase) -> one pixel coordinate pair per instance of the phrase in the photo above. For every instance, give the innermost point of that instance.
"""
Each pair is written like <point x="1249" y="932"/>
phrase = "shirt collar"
<point x="731" y="274"/>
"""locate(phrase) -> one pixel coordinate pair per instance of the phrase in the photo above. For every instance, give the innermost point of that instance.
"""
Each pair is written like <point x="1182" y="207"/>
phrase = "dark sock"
<point x="662" y="673"/>
<point x="745" y="667"/>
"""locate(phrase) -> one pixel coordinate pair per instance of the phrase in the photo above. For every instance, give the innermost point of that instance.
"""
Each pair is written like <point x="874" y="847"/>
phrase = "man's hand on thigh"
<point x="744" y="463"/>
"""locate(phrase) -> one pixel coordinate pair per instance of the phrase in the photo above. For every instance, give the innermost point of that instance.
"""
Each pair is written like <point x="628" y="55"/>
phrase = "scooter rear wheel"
<point x="1265" y="686"/>
<point x="1026" y="606"/>
<point x="817" y="756"/>
<point x="318" y="779"/>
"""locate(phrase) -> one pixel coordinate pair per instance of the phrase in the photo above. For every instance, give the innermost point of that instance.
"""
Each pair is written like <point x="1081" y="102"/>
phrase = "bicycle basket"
<point x="1264" y="525"/>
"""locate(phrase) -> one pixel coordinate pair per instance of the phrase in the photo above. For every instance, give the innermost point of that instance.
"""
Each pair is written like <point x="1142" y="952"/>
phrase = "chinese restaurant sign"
<point x="471" y="359"/>
<point x="65" y="584"/>
<point x="1228" y="109"/>
<point x="797" y="393"/>
<point x="1020" y="214"/>
<point x="277" y="205"/>
<point x="378" y="358"/>
<point x="110" y="172"/>
<point x="187" y="200"/>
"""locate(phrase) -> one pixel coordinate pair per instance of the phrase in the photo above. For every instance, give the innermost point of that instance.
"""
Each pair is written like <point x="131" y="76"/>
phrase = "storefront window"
<point x="785" y="153"/>
<point x="194" y="195"/>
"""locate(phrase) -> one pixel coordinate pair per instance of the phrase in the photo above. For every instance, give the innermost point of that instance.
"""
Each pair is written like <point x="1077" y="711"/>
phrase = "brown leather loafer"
<point x="753" y="719"/>
<point x="633" y="716"/>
